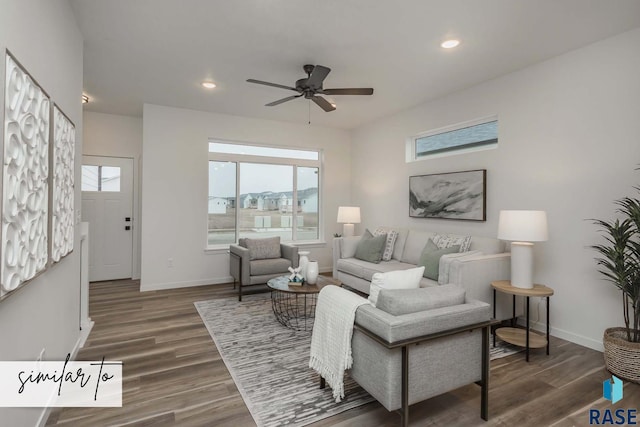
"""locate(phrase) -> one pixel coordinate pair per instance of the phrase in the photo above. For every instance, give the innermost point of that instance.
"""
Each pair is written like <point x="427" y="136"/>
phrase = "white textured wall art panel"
<point x="25" y="173"/>
<point x="62" y="220"/>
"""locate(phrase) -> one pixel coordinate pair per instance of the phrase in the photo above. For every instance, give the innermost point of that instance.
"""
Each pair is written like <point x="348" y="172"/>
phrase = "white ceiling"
<point x="159" y="51"/>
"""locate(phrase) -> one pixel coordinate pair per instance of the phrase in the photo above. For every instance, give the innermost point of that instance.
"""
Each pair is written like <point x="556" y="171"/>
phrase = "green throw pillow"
<point x="370" y="248"/>
<point x="430" y="258"/>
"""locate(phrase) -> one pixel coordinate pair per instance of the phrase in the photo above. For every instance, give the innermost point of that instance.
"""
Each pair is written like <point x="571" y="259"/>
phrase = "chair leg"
<point x="404" y="411"/>
<point x="240" y="291"/>
<point x="484" y="393"/>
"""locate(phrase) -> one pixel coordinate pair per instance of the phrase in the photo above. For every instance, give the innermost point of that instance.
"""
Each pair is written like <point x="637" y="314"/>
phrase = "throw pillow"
<point x="447" y="240"/>
<point x="370" y="248"/>
<point x="399" y="279"/>
<point x="430" y="258"/>
<point x="264" y="248"/>
<point x="392" y="235"/>
<point x="405" y="301"/>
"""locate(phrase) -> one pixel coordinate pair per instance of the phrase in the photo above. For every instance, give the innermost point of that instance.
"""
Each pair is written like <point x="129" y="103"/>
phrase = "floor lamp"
<point x="522" y="228"/>
<point x="348" y="216"/>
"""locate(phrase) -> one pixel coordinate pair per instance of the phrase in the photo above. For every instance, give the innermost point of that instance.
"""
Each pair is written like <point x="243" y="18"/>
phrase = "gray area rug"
<point x="270" y="363"/>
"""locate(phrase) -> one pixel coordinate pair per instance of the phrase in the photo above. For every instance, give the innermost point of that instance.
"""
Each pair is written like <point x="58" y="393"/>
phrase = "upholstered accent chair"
<point x="256" y="261"/>
<point x="419" y="343"/>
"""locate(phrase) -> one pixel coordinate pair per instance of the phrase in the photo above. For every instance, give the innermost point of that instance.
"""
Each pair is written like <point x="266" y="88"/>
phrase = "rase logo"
<point x="612" y="390"/>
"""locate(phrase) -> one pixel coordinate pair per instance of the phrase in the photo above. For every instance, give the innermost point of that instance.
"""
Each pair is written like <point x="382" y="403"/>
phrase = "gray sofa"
<point x="486" y="261"/>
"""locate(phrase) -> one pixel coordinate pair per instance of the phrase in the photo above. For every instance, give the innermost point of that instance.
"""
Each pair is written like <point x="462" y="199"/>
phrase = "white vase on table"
<point x="304" y="261"/>
<point x="312" y="272"/>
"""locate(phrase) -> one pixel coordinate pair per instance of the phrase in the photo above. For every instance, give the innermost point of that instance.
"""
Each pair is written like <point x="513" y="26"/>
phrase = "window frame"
<point x="412" y="142"/>
<point x="238" y="159"/>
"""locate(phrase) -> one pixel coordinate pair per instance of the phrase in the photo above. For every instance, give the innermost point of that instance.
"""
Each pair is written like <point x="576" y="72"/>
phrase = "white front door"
<point x="107" y="199"/>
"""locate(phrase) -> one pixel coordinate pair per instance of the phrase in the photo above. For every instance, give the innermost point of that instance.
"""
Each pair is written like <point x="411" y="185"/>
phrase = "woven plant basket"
<point x="621" y="357"/>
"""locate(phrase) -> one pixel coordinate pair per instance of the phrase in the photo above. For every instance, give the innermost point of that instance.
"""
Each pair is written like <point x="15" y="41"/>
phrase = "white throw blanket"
<point x="331" y="339"/>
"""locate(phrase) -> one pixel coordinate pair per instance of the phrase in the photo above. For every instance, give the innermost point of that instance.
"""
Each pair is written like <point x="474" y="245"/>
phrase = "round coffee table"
<point x="295" y="306"/>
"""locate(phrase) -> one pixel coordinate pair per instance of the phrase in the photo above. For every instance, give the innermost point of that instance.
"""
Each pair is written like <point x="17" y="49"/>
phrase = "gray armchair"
<point x="420" y="343"/>
<point x="247" y="272"/>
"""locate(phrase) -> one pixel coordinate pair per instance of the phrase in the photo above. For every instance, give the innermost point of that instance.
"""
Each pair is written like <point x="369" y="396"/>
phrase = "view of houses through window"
<point x="473" y="135"/>
<point x="257" y="191"/>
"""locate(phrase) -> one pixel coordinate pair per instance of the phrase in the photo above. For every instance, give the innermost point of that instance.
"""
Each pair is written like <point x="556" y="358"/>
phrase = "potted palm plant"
<point x="619" y="262"/>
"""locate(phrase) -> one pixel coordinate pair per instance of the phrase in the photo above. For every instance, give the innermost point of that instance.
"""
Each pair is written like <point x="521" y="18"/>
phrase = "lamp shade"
<point x="348" y="215"/>
<point x="523" y="226"/>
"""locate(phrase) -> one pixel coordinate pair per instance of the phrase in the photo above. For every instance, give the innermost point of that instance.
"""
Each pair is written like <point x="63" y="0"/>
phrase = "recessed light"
<point x="85" y="99"/>
<point x="450" y="44"/>
<point x="209" y="85"/>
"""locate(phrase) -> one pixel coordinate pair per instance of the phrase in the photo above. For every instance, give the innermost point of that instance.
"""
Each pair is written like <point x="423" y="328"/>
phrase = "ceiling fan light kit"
<point x="311" y="88"/>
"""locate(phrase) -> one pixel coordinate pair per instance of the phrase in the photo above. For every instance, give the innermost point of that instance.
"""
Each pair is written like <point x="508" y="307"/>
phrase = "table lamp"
<point x="348" y="216"/>
<point x="522" y="228"/>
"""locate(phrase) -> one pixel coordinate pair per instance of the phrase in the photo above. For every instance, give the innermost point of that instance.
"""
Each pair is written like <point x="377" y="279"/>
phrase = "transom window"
<point x="100" y="178"/>
<point x="475" y="135"/>
<point x="261" y="191"/>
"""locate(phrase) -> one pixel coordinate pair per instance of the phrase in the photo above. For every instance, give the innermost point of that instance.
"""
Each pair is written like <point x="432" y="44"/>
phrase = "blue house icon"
<point x="612" y="389"/>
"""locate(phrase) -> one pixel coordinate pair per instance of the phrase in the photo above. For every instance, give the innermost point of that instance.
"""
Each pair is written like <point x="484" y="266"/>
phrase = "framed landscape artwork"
<point x="453" y="195"/>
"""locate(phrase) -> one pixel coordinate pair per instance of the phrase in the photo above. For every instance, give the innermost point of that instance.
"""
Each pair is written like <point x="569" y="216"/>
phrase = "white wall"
<point x="175" y="193"/>
<point x="569" y="143"/>
<point x="43" y="36"/>
<point x="118" y="136"/>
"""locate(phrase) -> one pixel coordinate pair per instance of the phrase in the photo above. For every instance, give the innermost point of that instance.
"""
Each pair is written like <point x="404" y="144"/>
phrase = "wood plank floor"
<point x="174" y="375"/>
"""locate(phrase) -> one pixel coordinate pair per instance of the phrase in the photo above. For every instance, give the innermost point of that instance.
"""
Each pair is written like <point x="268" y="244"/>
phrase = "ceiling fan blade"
<point x="280" y="101"/>
<point x="317" y="76"/>
<point x="260" y="82"/>
<point x="349" y="91"/>
<point x="323" y="103"/>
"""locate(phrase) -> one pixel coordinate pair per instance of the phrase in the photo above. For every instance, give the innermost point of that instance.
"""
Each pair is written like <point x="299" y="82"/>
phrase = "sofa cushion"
<point x="384" y="267"/>
<point x="488" y="245"/>
<point x="370" y="247"/>
<point x="352" y="266"/>
<point x="349" y="246"/>
<point x="430" y="258"/>
<point x="264" y="248"/>
<point x="416" y="240"/>
<point x="401" y="279"/>
<point x="260" y="267"/>
<point x="405" y="301"/>
<point x="447" y="240"/>
<point x="392" y="235"/>
<point x="366" y="270"/>
<point x="398" y="247"/>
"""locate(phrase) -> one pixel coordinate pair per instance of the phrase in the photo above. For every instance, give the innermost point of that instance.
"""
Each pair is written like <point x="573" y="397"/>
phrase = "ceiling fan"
<point x="311" y="88"/>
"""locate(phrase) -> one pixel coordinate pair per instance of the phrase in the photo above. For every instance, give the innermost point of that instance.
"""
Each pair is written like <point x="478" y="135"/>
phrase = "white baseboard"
<point x="565" y="335"/>
<point x="175" y="285"/>
<point x="87" y="325"/>
<point x="144" y="287"/>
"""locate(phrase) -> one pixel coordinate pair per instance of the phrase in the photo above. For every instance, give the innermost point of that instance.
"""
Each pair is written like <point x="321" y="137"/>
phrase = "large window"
<point x="463" y="137"/>
<point x="258" y="191"/>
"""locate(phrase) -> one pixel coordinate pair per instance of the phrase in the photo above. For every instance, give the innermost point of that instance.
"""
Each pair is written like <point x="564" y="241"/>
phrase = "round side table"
<point x="518" y="336"/>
